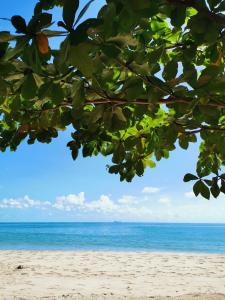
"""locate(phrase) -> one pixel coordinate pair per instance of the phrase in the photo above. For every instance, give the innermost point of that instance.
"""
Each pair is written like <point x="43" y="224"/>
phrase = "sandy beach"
<point x="110" y="275"/>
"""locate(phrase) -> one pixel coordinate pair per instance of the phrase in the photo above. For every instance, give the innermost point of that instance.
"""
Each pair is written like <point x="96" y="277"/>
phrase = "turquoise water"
<point x="208" y="238"/>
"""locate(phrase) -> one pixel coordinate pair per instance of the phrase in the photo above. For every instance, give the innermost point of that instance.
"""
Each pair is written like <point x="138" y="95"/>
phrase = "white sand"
<point x="110" y="275"/>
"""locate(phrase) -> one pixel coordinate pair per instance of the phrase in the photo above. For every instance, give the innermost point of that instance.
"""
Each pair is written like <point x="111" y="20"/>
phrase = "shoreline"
<point x="158" y="252"/>
<point x="104" y="275"/>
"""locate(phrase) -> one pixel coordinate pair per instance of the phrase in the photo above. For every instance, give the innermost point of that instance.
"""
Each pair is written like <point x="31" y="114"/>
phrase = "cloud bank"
<point x="148" y="205"/>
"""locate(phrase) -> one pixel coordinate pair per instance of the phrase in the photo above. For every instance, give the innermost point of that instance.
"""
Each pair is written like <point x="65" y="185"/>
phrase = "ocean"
<point x="117" y="236"/>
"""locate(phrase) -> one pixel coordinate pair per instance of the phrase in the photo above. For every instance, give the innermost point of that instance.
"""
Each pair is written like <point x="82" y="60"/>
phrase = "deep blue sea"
<point x="208" y="238"/>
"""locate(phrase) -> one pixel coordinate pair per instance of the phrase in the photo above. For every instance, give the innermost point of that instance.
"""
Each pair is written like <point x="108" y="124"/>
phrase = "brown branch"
<point x="168" y="101"/>
<point x="118" y="101"/>
<point x="188" y="101"/>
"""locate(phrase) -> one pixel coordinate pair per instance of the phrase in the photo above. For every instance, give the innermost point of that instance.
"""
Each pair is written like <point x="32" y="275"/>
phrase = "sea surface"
<point x="151" y="237"/>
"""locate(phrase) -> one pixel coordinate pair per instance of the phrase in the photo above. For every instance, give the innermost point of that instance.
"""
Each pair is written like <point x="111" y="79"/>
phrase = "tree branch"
<point x="118" y="101"/>
<point x="168" y="101"/>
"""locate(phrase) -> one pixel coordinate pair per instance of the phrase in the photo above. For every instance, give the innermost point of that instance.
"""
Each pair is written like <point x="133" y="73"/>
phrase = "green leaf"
<point x="44" y="120"/>
<point x="5" y="36"/>
<point x="119" y="113"/>
<point x="87" y="150"/>
<point x="140" y="168"/>
<point x="83" y="11"/>
<point x="139" y="5"/>
<point x="178" y="16"/>
<point x="197" y="187"/>
<point x="114" y="169"/>
<point x="107" y="119"/>
<point x="200" y="188"/>
<point x="110" y="50"/>
<point x="208" y="74"/>
<point x="57" y="93"/>
<point x="215" y="190"/>
<point x="80" y="58"/>
<point x="75" y="153"/>
<point x="97" y="114"/>
<point x="45" y="19"/>
<point x="149" y="163"/>
<point x="3" y="87"/>
<point x="205" y="191"/>
<point x="19" y="23"/>
<point x="133" y="82"/>
<point x="13" y="52"/>
<point x="155" y="55"/>
<point x="208" y="182"/>
<point x="79" y="35"/>
<point x="222" y="188"/>
<point x="29" y="87"/>
<point x="198" y="24"/>
<point x="170" y="70"/>
<point x="69" y="11"/>
<point x="123" y="39"/>
<point x="188" y="177"/>
<point x="184" y="143"/>
<point x="189" y="73"/>
<point x="222" y="176"/>
<point x="119" y="154"/>
<point x="78" y="94"/>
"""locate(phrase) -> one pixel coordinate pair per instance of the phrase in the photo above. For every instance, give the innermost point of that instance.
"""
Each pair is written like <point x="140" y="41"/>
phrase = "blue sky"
<point x="42" y="183"/>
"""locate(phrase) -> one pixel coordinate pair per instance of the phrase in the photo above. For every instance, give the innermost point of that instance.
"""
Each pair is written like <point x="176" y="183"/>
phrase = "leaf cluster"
<point x="136" y="82"/>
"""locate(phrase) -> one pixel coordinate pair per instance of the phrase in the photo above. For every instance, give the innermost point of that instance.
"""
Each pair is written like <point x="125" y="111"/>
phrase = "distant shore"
<point x="101" y="275"/>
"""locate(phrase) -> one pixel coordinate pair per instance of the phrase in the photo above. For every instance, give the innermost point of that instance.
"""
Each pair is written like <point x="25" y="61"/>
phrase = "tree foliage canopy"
<point x="141" y="79"/>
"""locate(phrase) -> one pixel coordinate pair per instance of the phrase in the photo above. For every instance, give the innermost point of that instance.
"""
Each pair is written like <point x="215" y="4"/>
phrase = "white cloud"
<point x="128" y="207"/>
<point x="165" y="201"/>
<point x="124" y="207"/>
<point x="69" y="202"/>
<point x="24" y="202"/>
<point x="127" y="200"/>
<point x="142" y="212"/>
<point x="150" y="190"/>
<point x="189" y="195"/>
<point x="104" y="204"/>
